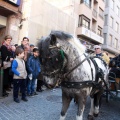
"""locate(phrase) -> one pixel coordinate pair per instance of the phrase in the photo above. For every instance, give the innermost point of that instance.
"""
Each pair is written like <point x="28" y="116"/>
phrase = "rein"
<point x="66" y="74"/>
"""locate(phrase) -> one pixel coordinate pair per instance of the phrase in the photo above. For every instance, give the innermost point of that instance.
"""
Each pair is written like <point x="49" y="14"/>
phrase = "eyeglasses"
<point x="97" y="48"/>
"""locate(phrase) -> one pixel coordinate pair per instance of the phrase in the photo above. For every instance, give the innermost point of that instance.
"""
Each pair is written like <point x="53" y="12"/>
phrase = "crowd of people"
<point x="21" y="69"/>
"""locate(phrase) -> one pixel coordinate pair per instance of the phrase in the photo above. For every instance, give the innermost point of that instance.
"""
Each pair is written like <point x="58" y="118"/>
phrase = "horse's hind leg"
<point x="90" y="116"/>
<point x="65" y="104"/>
<point x="97" y="97"/>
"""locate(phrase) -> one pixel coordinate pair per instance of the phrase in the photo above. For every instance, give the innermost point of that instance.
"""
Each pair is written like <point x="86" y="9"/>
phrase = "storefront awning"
<point x="7" y="9"/>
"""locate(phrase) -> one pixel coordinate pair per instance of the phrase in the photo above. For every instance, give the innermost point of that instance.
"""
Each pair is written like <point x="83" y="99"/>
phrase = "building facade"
<point x="111" y="29"/>
<point x="91" y="22"/>
<point x="40" y="17"/>
<point x="89" y="18"/>
<point x="10" y="17"/>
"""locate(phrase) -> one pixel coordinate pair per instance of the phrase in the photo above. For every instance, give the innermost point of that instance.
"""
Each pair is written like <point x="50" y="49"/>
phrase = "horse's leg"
<point x="90" y="116"/>
<point x="81" y="106"/>
<point x="97" y="97"/>
<point x="65" y="104"/>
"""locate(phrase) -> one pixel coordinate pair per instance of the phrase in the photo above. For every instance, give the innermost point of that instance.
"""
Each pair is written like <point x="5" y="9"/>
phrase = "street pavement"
<point x="47" y="106"/>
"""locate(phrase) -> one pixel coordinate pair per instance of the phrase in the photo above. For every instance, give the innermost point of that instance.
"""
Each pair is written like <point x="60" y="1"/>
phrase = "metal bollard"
<point x="1" y="82"/>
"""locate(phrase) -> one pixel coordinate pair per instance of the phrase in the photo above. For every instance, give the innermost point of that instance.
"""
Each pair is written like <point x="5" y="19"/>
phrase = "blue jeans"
<point x="31" y="86"/>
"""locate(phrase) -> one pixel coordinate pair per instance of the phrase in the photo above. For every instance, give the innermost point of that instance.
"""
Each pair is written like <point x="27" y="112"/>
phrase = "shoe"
<point x="35" y="93"/>
<point x="5" y="94"/>
<point x="40" y="90"/>
<point x="8" y="89"/>
<point x="32" y="94"/>
<point x="24" y="99"/>
<point x="29" y="95"/>
<point x="17" y="100"/>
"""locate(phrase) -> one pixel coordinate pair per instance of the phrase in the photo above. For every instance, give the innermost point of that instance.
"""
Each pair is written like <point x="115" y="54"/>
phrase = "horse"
<point x="64" y="60"/>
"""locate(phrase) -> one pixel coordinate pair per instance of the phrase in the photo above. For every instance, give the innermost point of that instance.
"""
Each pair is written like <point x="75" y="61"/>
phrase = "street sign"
<point x="16" y="2"/>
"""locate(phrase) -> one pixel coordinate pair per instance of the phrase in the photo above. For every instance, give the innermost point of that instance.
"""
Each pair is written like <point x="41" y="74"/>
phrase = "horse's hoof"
<point x="90" y="117"/>
<point x="95" y="115"/>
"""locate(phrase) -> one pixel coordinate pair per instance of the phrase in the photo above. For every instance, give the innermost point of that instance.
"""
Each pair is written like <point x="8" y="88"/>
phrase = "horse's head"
<point x="52" y="56"/>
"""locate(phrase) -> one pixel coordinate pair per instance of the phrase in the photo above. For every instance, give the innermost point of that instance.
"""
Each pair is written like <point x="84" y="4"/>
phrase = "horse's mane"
<point x="65" y="36"/>
<point x="44" y="42"/>
<point x="61" y="35"/>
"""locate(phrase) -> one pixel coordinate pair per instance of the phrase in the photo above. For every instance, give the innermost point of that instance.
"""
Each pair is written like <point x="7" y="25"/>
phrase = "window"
<point x="115" y="43"/>
<point x="101" y="13"/>
<point x="87" y="2"/>
<point x="111" y="21"/>
<point x="117" y="10"/>
<point x="84" y="21"/>
<point x="110" y="40"/>
<point x="112" y="4"/>
<point x="106" y="19"/>
<point x="116" y="27"/>
<point x="99" y="31"/>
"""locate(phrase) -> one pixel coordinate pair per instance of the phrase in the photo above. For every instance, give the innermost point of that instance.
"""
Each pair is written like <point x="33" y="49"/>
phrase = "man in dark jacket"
<point x="33" y="67"/>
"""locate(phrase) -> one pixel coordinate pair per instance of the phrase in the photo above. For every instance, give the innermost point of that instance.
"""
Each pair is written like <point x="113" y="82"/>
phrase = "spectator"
<point x="16" y="45"/>
<point x="33" y="66"/>
<point x="24" y="42"/>
<point x="6" y="54"/>
<point x="20" y="74"/>
<point x="99" y="53"/>
<point x="31" y="47"/>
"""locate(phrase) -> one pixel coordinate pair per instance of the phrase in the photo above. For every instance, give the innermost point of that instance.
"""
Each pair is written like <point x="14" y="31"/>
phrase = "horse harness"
<point x="90" y="83"/>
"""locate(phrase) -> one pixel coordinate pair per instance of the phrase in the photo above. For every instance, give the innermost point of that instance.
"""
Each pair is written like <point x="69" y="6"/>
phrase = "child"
<point x="33" y="67"/>
<point x="20" y="74"/>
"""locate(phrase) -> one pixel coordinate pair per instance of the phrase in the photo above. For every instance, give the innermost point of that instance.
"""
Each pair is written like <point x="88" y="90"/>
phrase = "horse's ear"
<point x="53" y="40"/>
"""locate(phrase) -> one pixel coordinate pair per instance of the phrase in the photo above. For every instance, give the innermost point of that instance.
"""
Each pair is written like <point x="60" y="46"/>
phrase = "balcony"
<point x="94" y="12"/>
<point x="89" y="34"/>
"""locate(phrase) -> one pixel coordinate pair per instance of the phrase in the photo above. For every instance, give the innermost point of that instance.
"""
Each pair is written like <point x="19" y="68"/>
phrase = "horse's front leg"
<point x="65" y="104"/>
<point x="81" y="107"/>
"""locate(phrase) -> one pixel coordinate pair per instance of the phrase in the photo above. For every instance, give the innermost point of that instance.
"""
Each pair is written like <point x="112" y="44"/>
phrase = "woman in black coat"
<point x="6" y="54"/>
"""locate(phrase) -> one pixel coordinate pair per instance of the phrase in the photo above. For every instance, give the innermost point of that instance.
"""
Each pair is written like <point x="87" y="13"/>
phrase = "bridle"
<point x="55" y="55"/>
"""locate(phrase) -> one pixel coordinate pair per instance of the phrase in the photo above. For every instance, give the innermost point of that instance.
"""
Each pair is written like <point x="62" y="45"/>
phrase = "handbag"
<point x="6" y="64"/>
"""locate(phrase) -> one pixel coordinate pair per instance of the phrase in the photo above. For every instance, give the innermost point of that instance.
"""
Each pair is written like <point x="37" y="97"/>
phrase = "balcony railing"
<point x="94" y="12"/>
<point x="93" y="30"/>
<point x="88" y="45"/>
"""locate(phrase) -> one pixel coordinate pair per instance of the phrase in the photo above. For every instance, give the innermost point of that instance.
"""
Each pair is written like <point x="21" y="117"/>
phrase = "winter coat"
<point x="104" y="57"/>
<point x="33" y="66"/>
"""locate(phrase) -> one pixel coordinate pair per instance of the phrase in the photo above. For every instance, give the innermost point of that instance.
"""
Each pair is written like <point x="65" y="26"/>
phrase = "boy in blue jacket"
<point x="33" y="67"/>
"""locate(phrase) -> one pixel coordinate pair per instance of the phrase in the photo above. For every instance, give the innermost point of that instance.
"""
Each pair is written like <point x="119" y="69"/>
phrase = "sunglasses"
<point x="97" y="48"/>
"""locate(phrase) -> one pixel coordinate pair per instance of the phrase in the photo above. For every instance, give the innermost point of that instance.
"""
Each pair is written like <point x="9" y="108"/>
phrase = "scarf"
<point x="9" y="47"/>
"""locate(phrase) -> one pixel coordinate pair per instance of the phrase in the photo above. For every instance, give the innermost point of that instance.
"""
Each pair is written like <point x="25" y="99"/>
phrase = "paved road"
<point x="47" y="106"/>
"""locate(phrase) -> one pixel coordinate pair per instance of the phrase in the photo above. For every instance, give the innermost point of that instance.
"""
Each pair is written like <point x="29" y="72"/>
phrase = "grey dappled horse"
<point x="63" y="59"/>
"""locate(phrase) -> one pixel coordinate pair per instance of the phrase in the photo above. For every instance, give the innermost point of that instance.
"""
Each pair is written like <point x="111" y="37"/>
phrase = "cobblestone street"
<point x="47" y="106"/>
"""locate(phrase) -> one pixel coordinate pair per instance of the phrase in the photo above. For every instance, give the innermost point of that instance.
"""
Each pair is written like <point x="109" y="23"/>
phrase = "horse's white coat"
<point x="79" y="117"/>
<point x="62" y="117"/>
<point x="96" y="111"/>
<point x="92" y="107"/>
